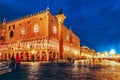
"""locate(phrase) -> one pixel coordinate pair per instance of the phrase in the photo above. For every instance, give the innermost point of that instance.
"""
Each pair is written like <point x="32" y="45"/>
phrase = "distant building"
<point x="41" y="35"/>
<point x="87" y="52"/>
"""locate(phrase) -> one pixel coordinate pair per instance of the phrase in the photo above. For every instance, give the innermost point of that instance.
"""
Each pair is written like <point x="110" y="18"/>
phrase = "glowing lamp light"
<point x="75" y="53"/>
<point x="33" y="52"/>
<point x="112" y="51"/>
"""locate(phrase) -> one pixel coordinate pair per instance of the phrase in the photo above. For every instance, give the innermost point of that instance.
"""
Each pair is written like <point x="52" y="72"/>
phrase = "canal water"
<point x="79" y="70"/>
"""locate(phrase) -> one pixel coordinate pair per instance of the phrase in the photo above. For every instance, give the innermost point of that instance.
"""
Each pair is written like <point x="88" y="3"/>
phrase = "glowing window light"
<point x="36" y="28"/>
<point x="23" y="31"/>
<point x="54" y="30"/>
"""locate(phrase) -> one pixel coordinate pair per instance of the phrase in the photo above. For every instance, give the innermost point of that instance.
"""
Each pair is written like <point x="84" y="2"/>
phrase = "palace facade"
<point x="41" y="35"/>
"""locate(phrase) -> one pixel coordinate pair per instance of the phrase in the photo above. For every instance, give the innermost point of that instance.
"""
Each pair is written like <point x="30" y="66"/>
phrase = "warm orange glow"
<point x="42" y="34"/>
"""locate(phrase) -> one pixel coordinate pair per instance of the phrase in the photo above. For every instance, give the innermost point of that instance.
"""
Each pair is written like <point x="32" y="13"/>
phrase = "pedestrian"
<point x="33" y="58"/>
<point x="73" y="60"/>
<point x="17" y="62"/>
<point x="12" y="65"/>
<point x="69" y="59"/>
<point x="52" y="60"/>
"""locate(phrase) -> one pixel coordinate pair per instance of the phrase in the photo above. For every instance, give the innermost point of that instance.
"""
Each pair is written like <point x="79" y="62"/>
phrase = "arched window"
<point x="36" y="28"/>
<point x="71" y="39"/>
<point x="54" y="30"/>
<point x="67" y="37"/>
<point x="23" y="31"/>
<point x="11" y="33"/>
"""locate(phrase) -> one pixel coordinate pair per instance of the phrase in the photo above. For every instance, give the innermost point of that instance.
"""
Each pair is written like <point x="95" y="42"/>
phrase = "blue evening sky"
<point x="96" y="22"/>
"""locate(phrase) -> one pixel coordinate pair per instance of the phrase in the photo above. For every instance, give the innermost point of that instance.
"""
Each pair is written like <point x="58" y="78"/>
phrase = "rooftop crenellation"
<point x="30" y="15"/>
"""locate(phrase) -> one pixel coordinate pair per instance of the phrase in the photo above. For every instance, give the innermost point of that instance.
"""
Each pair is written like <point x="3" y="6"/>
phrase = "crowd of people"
<point x="15" y="63"/>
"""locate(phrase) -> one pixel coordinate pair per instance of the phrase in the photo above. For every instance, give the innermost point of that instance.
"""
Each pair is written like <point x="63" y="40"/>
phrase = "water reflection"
<point x="76" y="63"/>
<point x="88" y="62"/>
<point x="82" y="62"/>
<point x="95" y="70"/>
<point x="80" y="70"/>
<point x="33" y="71"/>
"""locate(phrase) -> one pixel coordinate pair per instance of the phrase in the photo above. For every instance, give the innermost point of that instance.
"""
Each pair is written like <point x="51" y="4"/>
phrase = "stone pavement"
<point x="80" y="70"/>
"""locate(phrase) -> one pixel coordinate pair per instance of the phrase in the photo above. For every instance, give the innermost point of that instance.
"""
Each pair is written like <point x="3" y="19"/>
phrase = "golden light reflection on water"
<point x="33" y="70"/>
<point x="96" y="69"/>
<point x="87" y="62"/>
<point x="81" y="68"/>
<point x="75" y="66"/>
<point x="105" y="70"/>
<point x="82" y="62"/>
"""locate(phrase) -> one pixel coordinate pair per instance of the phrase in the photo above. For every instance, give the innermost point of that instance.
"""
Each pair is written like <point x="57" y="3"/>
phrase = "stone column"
<point x="60" y="18"/>
<point x="40" y="55"/>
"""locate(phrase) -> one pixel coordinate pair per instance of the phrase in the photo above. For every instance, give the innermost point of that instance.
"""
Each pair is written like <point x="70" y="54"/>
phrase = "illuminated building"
<point x="41" y="35"/>
<point x="87" y="52"/>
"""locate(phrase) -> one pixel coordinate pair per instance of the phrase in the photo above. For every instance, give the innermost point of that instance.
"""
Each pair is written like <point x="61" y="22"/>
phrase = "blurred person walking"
<point x="17" y="60"/>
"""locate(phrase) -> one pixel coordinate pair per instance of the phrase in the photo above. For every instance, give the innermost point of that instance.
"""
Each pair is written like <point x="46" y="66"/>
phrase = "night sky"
<point x="96" y="22"/>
